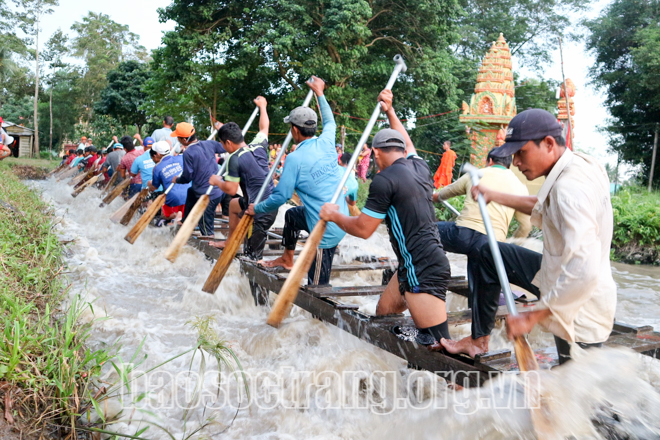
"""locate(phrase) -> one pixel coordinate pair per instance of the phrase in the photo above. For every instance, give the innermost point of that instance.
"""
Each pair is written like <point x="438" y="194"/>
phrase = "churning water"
<point x="310" y="380"/>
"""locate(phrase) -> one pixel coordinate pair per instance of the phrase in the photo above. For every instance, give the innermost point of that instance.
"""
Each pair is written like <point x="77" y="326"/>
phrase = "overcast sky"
<point x="142" y="18"/>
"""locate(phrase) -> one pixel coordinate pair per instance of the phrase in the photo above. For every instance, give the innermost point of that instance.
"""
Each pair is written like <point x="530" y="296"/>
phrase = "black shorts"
<point x="437" y="287"/>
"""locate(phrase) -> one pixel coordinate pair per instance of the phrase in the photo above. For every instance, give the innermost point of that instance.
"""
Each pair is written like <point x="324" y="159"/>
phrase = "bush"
<point x="636" y="236"/>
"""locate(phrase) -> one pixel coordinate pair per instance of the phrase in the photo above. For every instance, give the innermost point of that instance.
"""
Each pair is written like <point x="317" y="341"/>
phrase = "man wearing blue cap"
<point x="572" y="277"/>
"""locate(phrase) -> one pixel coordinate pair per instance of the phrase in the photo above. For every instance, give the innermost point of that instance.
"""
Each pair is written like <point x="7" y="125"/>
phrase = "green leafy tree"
<point x="529" y="26"/>
<point x="626" y="41"/>
<point x="536" y="93"/>
<point x="102" y="43"/>
<point x="29" y="16"/>
<point x="124" y="94"/>
<point x="220" y="57"/>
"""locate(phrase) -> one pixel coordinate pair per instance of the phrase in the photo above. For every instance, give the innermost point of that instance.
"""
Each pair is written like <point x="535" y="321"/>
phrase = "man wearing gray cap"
<point x="572" y="277"/>
<point x="402" y="194"/>
<point x="313" y="172"/>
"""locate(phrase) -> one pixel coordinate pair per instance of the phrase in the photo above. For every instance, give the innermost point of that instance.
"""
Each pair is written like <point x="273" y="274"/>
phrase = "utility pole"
<point x="51" y="122"/>
<point x="343" y="137"/>
<point x="36" y="89"/>
<point x="568" y="105"/>
<point x="655" y="149"/>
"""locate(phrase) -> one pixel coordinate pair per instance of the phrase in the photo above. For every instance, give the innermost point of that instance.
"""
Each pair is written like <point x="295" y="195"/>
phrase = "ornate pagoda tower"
<point x="563" y="114"/>
<point x="493" y="103"/>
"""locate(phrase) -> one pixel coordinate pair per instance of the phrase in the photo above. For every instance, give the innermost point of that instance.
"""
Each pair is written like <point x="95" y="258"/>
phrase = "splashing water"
<point x="312" y="380"/>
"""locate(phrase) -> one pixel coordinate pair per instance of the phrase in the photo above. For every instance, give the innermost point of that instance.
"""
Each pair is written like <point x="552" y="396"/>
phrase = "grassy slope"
<point x="44" y="367"/>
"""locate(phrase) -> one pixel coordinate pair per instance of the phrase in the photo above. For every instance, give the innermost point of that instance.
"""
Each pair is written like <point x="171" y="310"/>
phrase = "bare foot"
<point x="277" y="262"/>
<point x="469" y="346"/>
<point x="218" y="244"/>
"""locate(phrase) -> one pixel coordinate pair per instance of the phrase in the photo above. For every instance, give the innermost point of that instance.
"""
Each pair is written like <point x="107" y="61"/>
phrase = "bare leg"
<point x="426" y="310"/>
<point x="285" y="261"/>
<point x="4" y="152"/>
<point x="467" y="345"/>
<point x="391" y="301"/>
<point x="234" y="218"/>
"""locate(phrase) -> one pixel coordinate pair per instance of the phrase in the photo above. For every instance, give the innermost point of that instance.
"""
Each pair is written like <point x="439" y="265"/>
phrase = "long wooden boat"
<point x="325" y="303"/>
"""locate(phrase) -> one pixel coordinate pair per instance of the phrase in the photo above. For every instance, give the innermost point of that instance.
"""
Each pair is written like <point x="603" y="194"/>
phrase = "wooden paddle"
<point x="146" y="218"/>
<point x="59" y="168"/>
<point x="238" y="236"/>
<point x="119" y="214"/>
<point x="85" y="185"/>
<point x="115" y="192"/>
<point x="289" y="290"/>
<point x="196" y="213"/>
<point x="78" y="178"/>
<point x="109" y="183"/>
<point x="130" y="212"/>
<point x="524" y="353"/>
<point x="88" y="175"/>
<point x="67" y="173"/>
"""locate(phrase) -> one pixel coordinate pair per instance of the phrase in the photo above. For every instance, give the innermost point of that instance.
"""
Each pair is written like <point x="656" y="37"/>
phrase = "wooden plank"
<point x="371" y="290"/>
<point x="456" y="368"/>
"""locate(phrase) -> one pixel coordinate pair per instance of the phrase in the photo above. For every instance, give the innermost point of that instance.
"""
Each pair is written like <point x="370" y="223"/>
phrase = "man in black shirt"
<point x="402" y="195"/>
<point x="248" y="167"/>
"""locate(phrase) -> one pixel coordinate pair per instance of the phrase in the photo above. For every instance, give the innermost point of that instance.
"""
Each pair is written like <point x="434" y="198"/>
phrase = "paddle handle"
<point x="451" y="208"/>
<point x="224" y="165"/>
<point x="278" y="158"/>
<point x="475" y="174"/>
<point x="289" y="290"/>
<point x="400" y="67"/>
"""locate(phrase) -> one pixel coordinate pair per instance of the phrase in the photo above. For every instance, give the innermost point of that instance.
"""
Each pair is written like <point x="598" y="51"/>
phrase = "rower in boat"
<point x="247" y="167"/>
<point x="573" y="277"/>
<point x="402" y="193"/>
<point x="313" y="172"/>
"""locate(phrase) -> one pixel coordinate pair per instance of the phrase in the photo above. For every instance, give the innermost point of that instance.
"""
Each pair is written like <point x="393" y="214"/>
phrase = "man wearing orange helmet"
<point x="199" y="164"/>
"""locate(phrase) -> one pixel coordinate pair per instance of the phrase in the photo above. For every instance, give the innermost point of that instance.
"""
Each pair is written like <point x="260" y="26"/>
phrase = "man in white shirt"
<point x="163" y="134"/>
<point x="572" y="277"/>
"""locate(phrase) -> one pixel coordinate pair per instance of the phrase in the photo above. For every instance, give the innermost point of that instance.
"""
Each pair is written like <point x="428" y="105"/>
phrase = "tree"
<point x="625" y="40"/>
<point x="536" y="93"/>
<point x="124" y="94"/>
<point x="102" y="43"/>
<point x="219" y="50"/>
<point x="527" y="25"/>
<point x="55" y="49"/>
<point x="29" y="17"/>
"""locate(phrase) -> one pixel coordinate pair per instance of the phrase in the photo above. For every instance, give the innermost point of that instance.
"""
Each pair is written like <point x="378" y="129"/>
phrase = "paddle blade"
<point x="146" y="218"/>
<point x="187" y="228"/>
<point x="289" y="290"/>
<point x="85" y="178"/>
<point x="228" y="254"/>
<point x="130" y="212"/>
<point x="109" y="183"/>
<point x="115" y="192"/>
<point x="119" y="214"/>
<point x="86" y="185"/>
<point x="76" y="179"/>
<point x="354" y="210"/>
<point x="525" y="355"/>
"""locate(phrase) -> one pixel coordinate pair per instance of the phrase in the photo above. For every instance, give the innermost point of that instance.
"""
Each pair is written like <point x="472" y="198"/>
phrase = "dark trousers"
<point x="254" y="244"/>
<point x="134" y="188"/>
<point x="294" y="222"/>
<point x="464" y="241"/>
<point x="206" y="222"/>
<point x="521" y="267"/>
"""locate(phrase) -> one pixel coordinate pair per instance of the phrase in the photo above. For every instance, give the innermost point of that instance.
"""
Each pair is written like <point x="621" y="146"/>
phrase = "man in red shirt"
<point x="125" y="165"/>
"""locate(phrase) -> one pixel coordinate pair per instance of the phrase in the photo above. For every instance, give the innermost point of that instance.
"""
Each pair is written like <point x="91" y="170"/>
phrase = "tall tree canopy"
<point x="102" y="43"/>
<point x="222" y="54"/>
<point x="124" y="94"/>
<point x="626" y="42"/>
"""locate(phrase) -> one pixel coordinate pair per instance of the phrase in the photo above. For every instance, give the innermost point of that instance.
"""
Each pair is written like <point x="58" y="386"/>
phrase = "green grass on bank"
<point x="636" y="225"/>
<point x="44" y="367"/>
<point x="42" y="163"/>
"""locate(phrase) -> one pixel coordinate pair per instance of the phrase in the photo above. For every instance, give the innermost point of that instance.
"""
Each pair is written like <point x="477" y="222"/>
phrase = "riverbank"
<point x="45" y="368"/>
<point x="636" y="237"/>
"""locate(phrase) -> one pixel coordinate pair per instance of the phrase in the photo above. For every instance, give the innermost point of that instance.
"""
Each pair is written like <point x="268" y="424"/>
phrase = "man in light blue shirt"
<point x="144" y="164"/>
<point x="313" y="173"/>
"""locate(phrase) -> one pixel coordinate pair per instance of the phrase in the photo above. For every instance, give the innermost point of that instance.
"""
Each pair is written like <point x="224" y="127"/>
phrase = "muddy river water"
<point x="310" y="380"/>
